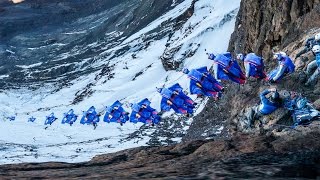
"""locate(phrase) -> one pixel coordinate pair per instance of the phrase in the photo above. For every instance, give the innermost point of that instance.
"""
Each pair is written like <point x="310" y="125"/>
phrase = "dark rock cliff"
<point x="263" y="26"/>
<point x="244" y="156"/>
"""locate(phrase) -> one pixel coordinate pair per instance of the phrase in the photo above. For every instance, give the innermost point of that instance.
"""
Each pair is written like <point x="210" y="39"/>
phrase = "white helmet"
<point x="316" y="49"/>
<point x="283" y="53"/>
<point x="317" y="37"/>
<point x="277" y="56"/>
<point x="240" y="57"/>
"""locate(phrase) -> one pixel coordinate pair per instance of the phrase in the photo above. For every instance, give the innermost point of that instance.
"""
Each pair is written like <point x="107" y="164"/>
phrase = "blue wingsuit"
<point x="50" y="119"/>
<point x="286" y="66"/>
<point x="254" y="66"/>
<point x="116" y="113"/>
<point x="69" y="117"/>
<point x="267" y="107"/>
<point x="203" y="83"/>
<point x="143" y="112"/>
<point x="90" y="116"/>
<point x="173" y="97"/>
<point x="225" y="68"/>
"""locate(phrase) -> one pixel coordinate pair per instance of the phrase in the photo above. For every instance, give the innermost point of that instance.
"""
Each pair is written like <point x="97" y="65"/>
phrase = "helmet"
<point x="316" y="49"/>
<point x="277" y="56"/>
<point x="282" y="53"/>
<point x="159" y="90"/>
<point x="211" y="56"/>
<point x="240" y="57"/>
<point x="275" y="96"/>
<point x="185" y="71"/>
<point x="317" y="37"/>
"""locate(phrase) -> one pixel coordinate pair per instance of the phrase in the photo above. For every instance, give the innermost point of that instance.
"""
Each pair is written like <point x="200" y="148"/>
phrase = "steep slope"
<point x="58" y="41"/>
<point x="120" y="72"/>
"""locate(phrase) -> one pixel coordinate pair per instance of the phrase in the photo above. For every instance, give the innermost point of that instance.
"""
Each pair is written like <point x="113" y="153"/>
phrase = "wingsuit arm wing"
<point x="263" y="94"/>
<point x="215" y="69"/>
<point x="280" y="72"/>
<point x="194" y="88"/>
<point x="164" y="105"/>
<point x="247" y="68"/>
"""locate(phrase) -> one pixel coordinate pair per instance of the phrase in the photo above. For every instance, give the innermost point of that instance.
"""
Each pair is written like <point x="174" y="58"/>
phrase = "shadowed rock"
<point x="243" y="156"/>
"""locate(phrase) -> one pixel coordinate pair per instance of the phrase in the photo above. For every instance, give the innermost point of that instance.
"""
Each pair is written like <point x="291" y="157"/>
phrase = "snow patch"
<point x="29" y="66"/>
<point x="4" y="76"/>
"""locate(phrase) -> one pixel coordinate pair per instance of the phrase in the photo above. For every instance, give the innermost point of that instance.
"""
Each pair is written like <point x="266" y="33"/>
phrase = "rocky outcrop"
<point x="285" y="155"/>
<point x="167" y="59"/>
<point x="263" y="26"/>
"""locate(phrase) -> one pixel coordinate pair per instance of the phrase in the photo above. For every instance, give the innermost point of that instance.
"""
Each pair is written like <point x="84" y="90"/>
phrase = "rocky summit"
<point x="96" y="52"/>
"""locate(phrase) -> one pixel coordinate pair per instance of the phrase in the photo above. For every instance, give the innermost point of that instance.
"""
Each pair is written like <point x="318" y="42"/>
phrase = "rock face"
<point x="263" y="26"/>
